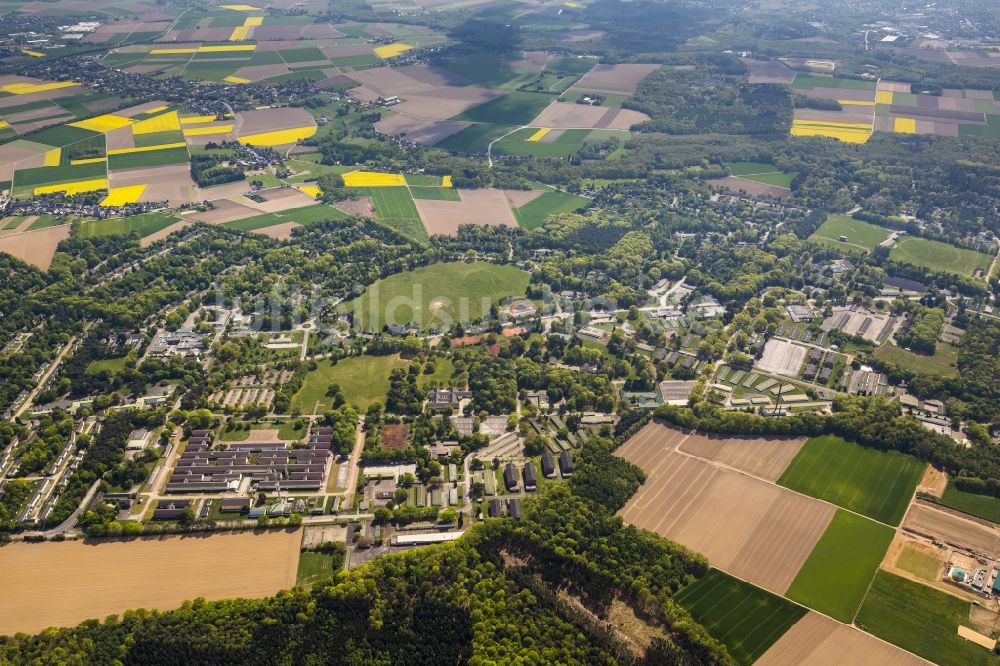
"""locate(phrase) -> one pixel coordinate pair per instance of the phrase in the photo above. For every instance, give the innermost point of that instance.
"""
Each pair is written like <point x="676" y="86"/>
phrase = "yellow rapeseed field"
<point x="195" y="120"/>
<point x="52" y="157"/>
<point x="157" y="109"/>
<point x="119" y="196"/>
<point x="279" y="137"/>
<point x="854" y="102"/>
<point x="240" y="33"/>
<point x="89" y="160"/>
<point x="446" y="181"/>
<point x="207" y="131"/>
<point x="28" y="88"/>
<point x="846" y="132"/>
<point x="883" y="97"/>
<point x="146" y="149"/>
<point x="539" y="133"/>
<point x="104" y="123"/>
<point x="236" y="79"/>
<point x="165" y="122"/>
<point x="241" y="8"/>
<point x="205" y="49"/>
<point x="312" y="190"/>
<point x="905" y="125"/>
<point x="387" y="51"/>
<point x="254" y="21"/>
<point x="74" y="188"/>
<point x="373" y="179"/>
<point x="33" y="54"/>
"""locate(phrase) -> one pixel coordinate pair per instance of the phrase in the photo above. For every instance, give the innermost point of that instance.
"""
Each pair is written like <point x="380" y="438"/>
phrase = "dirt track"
<point x="751" y="528"/>
<point x="62" y="584"/>
<point x="820" y="641"/>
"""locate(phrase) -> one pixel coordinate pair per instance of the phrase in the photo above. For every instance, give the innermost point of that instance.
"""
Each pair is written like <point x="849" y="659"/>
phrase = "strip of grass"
<point x="747" y="619"/>
<point x="437" y="295"/>
<point x="474" y="139"/>
<point x="149" y="158"/>
<point x="518" y="108"/>
<point x="256" y="222"/>
<point x="362" y="379"/>
<point x="974" y="504"/>
<point x="921" y="620"/>
<point x="144" y="225"/>
<point x="939" y="256"/>
<point x="534" y="213"/>
<point x="435" y="193"/>
<point x="836" y="574"/>
<point x="857" y="232"/>
<point x="878" y="484"/>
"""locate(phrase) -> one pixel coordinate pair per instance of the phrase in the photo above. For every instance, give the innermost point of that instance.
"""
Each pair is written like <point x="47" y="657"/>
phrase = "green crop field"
<point x="518" y="107"/>
<point x="315" y="567"/>
<point x="392" y="203"/>
<point x="939" y="256"/>
<point x="256" y="222"/>
<point x="487" y="69"/>
<point x="567" y="143"/>
<point x="449" y="292"/>
<point x="858" y="233"/>
<point x="944" y="362"/>
<point x="306" y="54"/>
<point x="761" y="172"/>
<point x="59" y="174"/>
<point x="747" y="619"/>
<point x="144" y="225"/>
<point x="878" y="484"/>
<point x="437" y="193"/>
<point x="921" y="620"/>
<point x="836" y="574"/>
<point x="534" y="213"/>
<point x="984" y="506"/>
<point x="830" y="82"/>
<point x="363" y="380"/>
<point x="157" y="138"/>
<point x="149" y="158"/>
<point x="420" y="179"/>
<point x="304" y="216"/>
<point x="60" y="135"/>
<point x="474" y="139"/>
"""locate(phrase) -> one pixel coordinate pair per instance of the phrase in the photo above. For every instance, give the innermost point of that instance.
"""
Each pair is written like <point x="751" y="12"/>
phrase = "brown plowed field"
<point x="764" y="458"/>
<point x="951" y="528"/>
<point x="35" y="247"/>
<point x="166" y="183"/>
<point x="567" y="115"/>
<point x="751" y="528"/>
<point x="418" y="130"/>
<point x="163" y="233"/>
<point x="444" y="102"/>
<point x="225" y="210"/>
<point x="486" y="208"/>
<point x="518" y="198"/>
<point x="620" y="79"/>
<point x="270" y="120"/>
<point x="816" y="640"/>
<point x="62" y="584"/>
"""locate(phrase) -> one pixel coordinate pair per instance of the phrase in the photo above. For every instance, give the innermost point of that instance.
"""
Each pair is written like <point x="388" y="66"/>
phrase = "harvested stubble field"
<point x="745" y="526"/>
<point x="818" y="640"/>
<point x="62" y="584"/>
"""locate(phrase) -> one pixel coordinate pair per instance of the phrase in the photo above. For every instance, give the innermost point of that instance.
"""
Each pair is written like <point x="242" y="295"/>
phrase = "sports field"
<point x="857" y="232"/>
<point x="921" y="620"/>
<point x="878" y="484"/>
<point x="939" y="256"/>
<point x="983" y="506"/>
<point x="517" y="108"/>
<point x="363" y="380"/>
<point x="836" y="574"/>
<point x="747" y="619"/>
<point x="534" y="213"/>
<point x="437" y="295"/>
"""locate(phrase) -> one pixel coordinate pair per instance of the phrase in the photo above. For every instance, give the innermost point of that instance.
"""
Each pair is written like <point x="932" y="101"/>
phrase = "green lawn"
<point x="761" y="172"/>
<point x="939" y="256"/>
<point x="474" y="139"/>
<point x="857" y="232"/>
<point x="534" y="213"/>
<point x="363" y="379"/>
<point x="836" y="574"/>
<point x="518" y="108"/>
<point x="943" y="363"/>
<point x="974" y="504"/>
<point x="149" y="158"/>
<point x="315" y="567"/>
<point x="747" y="619"/>
<point x="921" y="620"/>
<point x="437" y="295"/>
<point x="439" y="193"/>
<point x="878" y="484"/>
<point x="111" y="365"/>
<point x="144" y="225"/>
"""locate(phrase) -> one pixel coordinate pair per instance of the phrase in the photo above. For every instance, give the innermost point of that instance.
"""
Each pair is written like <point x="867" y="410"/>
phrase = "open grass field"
<point x="944" y="362"/>
<point x="437" y="295"/>
<point x="111" y="365"/>
<point x="747" y="619"/>
<point x="62" y="584"/>
<point x="878" y="484"/>
<point x="983" y="506"/>
<point x="939" y="256"/>
<point x="534" y="213"/>
<point x="518" y="108"/>
<point x="760" y="172"/>
<point x="144" y="225"/>
<point x="921" y="620"/>
<point x="363" y="379"/>
<point x="858" y="233"/>
<point x="835" y="577"/>
<point x="315" y="567"/>
<point x="474" y="139"/>
<point x="920" y="564"/>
